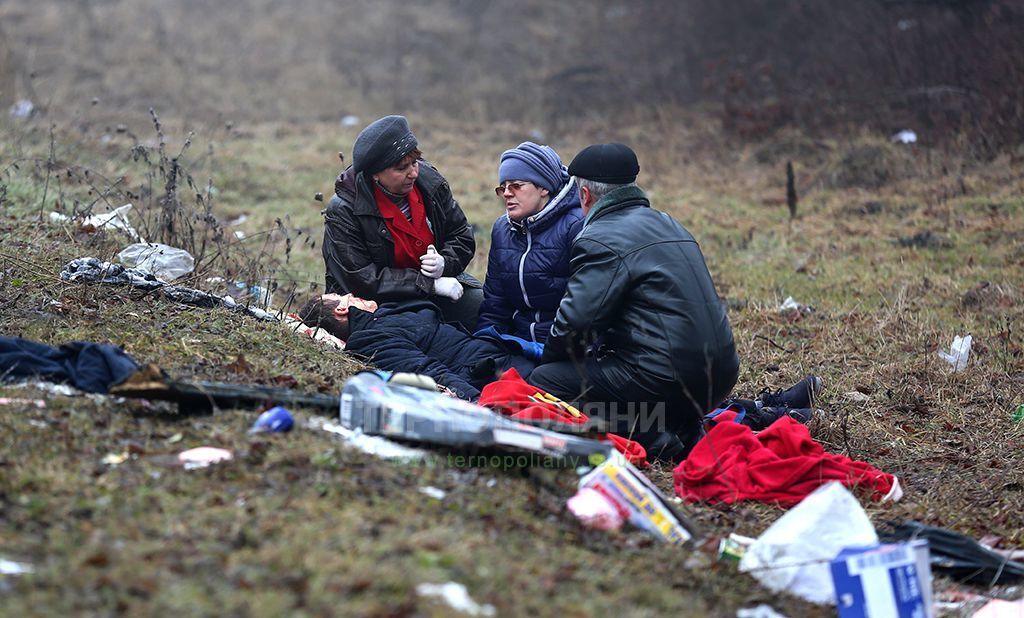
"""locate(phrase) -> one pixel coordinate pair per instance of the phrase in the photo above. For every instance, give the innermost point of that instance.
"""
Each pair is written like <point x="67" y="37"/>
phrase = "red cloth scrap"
<point x="780" y="464"/>
<point x="514" y="397"/>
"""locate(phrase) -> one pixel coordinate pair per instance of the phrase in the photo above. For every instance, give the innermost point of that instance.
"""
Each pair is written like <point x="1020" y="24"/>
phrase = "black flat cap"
<point x="614" y="164"/>
<point x="382" y="144"/>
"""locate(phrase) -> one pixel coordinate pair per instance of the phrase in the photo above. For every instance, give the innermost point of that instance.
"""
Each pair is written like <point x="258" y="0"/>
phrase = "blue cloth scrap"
<point x="91" y="367"/>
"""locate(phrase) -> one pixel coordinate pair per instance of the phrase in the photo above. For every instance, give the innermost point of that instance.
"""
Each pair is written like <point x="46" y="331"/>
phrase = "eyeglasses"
<point x="514" y="186"/>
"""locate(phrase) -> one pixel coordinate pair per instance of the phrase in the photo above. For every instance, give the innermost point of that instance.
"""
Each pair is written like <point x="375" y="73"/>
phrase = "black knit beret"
<point x="614" y="164"/>
<point x="382" y="144"/>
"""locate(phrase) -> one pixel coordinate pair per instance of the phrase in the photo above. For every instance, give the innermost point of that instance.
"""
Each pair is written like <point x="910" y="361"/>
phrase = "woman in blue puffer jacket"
<point x="528" y="264"/>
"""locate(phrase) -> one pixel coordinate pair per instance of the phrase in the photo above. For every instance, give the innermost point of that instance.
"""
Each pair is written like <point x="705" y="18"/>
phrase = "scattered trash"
<point x="960" y="557"/>
<point x="115" y="459"/>
<point x="998" y="608"/>
<point x="178" y="437"/>
<point x="1018" y="414"/>
<point x="761" y="611"/>
<point x="959" y="353"/>
<point x="856" y="396"/>
<point x="733" y="547"/>
<point x="888" y="580"/>
<point x="166" y="262"/>
<point x="639" y="500"/>
<point x="239" y="234"/>
<point x="433" y="492"/>
<point x="794" y="553"/>
<point x="906" y="136"/>
<point x="457" y="597"/>
<point x="274" y="420"/>
<point x="790" y="303"/>
<point x="203" y="456"/>
<point x="239" y="220"/>
<point x="38" y="403"/>
<point x="378" y="407"/>
<point x="10" y="567"/>
<point x="22" y="109"/>
<point x="596" y="511"/>
<point x="372" y="445"/>
<point x="116" y="219"/>
<point x="349" y="120"/>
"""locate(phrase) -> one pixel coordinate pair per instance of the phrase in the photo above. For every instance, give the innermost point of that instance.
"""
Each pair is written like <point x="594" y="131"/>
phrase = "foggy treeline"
<point x="945" y="67"/>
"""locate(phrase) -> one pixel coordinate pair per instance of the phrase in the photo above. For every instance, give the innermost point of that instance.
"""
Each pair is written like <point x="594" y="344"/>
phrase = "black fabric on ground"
<point x="958" y="556"/>
<point x="92" y="367"/>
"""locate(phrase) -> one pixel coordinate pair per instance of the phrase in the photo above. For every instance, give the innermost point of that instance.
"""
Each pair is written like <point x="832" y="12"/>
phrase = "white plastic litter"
<point x="456" y="596"/>
<point x="793" y="554"/>
<point x="203" y="456"/>
<point x="594" y="510"/>
<point x="349" y="120"/>
<point x="789" y="304"/>
<point x="433" y="492"/>
<point x="22" y="109"/>
<point x="10" y="567"/>
<point x="905" y="136"/>
<point x="116" y="219"/>
<point x="166" y="262"/>
<point x="373" y="445"/>
<point x="959" y="353"/>
<point x="761" y="611"/>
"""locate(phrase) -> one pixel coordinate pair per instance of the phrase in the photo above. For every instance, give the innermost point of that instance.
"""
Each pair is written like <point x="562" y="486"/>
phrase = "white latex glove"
<point x="449" y="287"/>
<point x="431" y="263"/>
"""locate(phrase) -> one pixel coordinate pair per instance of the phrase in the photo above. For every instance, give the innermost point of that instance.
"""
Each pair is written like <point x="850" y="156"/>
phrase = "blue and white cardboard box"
<point x="884" y="581"/>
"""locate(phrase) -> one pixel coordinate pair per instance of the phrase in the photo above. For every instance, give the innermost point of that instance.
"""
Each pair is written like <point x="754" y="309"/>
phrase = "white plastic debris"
<point x="959" y="353"/>
<point x="349" y="120"/>
<point x="433" y="492"/>
<point x="594" y="510"/>
<point x="906" y="136"/>
<point x="793" y="554"/>
<point x="373" y="445"/>
<point x="116" y="219"/>
<point x="455" y="596"/>
<point x="166" y="262"/>
<point x="22" y="109"/>
<point x="790" y="303"/>
<point x="761" y="611"/>
<point x="10" y="567"/>
<point x="203" y="456"/>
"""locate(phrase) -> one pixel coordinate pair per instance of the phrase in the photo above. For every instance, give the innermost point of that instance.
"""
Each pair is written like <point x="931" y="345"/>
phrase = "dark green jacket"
<point x="639" y="289"/>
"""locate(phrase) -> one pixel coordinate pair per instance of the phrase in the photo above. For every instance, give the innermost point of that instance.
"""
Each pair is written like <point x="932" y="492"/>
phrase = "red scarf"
<point x="411" y="239"/>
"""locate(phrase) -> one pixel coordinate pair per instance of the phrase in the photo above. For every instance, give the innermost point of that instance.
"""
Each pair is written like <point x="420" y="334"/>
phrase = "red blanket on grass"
<point x="514" y="397"/>
<point x="780" y="464"/>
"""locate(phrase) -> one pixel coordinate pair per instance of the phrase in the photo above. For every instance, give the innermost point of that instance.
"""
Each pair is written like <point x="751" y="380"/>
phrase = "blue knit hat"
<point x="382" y="143"/>
<point x="541" y="165"/>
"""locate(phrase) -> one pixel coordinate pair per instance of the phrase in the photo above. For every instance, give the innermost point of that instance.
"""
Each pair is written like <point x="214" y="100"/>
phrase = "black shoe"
<point x="765" y="416"/>
<point x="663" y="446"/>
<point x="803" y="394"/>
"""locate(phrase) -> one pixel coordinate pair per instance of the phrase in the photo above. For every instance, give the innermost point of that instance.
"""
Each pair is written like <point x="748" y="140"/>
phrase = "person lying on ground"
<point x="394" y="232"/>
<point x="528" y="262"/>
<point x="412" y="337"/>
<point x="641" y="338"/>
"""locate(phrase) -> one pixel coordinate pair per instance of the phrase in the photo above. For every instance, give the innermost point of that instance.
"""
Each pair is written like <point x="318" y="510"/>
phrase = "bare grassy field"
<point x="896" y="248"/>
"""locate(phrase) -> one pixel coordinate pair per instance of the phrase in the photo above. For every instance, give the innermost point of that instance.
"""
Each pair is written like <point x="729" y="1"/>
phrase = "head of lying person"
<point x="330" y="312"/>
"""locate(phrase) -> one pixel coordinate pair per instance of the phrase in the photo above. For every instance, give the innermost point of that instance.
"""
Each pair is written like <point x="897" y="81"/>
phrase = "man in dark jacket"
<point x="412" y="337"/>
<point x="389" y="211"/>
<point x="641" y="338"/>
